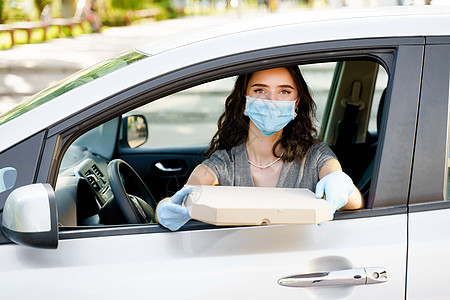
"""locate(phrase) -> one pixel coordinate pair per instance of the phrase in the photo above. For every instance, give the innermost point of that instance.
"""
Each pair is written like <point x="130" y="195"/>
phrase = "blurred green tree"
<point x="1" y="10"/>
<point x="168" y="11"/>
<point x="128" y="4"/>
<point x="40" y="4"/>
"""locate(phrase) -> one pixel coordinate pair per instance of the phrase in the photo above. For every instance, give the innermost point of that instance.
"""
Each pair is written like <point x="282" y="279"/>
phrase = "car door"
<point x="429" y="208"/>
<point x="202" y="261"/>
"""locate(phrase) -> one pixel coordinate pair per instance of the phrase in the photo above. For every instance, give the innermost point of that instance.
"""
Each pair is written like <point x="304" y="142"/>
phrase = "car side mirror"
<point x="30" y="216"/>
<point x="134" y="131"/>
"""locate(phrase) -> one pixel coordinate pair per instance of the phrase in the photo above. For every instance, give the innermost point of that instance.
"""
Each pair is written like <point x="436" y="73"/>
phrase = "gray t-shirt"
<point x="232" y="167"/>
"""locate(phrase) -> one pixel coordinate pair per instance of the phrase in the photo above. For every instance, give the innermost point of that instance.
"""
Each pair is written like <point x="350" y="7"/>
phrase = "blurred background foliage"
<point x="40" y="4"/>
<point x="107" y="13"/>
<point x="111" y="12"/>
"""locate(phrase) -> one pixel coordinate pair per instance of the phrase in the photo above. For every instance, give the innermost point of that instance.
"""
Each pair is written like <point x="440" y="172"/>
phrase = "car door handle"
<point x="161" y="167"/>
<point x="360" y="276"/>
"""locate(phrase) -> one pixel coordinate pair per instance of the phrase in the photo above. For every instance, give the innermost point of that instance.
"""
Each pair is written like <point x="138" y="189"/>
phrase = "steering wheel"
<point x="136" y="202"/>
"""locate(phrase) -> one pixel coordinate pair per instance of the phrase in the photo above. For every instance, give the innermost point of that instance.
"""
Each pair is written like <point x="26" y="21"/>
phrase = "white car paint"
<point x="238" y="263"/>
<point x="311" y="27"/>
<point x="429" y="239"/>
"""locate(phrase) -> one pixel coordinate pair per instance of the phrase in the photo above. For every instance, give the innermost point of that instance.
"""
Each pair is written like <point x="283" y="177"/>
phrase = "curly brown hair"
<point x="297" y="137"/>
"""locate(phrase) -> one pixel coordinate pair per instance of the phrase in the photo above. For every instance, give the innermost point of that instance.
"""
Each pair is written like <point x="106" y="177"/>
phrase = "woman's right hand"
<point x="171" y="213"/>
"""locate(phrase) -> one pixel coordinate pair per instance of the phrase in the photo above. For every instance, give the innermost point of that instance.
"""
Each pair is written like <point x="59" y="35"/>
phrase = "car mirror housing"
<point x="134" y="131"/>
<point x="30" y="216"/>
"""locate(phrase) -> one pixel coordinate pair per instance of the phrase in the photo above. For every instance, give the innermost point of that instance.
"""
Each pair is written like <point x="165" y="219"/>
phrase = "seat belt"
<point x="347" y="127"/>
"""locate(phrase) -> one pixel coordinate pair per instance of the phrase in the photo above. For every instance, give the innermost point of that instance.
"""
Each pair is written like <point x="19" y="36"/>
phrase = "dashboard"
<point x="98" y="182"/>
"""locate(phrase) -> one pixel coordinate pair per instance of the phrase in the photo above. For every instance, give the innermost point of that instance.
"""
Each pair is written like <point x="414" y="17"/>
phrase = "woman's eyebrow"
<point x="286" y="86"/>
<point x="259" y="84"/>
<point x="265" y="85"/>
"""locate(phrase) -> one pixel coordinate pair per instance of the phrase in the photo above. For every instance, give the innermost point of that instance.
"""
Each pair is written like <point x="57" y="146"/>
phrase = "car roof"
<point x="349" y="24"/>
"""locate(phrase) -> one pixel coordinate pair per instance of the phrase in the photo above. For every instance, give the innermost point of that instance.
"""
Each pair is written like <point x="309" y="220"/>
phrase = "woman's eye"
<point x="285" y="92"/>
<point x="259" y="91"/>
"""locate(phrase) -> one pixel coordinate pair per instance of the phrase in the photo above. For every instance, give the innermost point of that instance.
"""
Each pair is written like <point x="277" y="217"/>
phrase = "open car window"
<point x="165" y="139"/>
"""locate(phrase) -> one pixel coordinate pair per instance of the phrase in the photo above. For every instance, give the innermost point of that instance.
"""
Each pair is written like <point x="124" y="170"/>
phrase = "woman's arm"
<point x="203" y="175"/>
<point x="355" y="200"/>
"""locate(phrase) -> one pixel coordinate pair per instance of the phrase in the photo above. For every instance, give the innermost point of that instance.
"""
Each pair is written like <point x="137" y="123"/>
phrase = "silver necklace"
<point x="265" y="166"/>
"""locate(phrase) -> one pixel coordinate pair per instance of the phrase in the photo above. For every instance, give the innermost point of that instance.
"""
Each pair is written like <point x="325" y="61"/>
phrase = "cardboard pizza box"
<point x="233" y="205"/>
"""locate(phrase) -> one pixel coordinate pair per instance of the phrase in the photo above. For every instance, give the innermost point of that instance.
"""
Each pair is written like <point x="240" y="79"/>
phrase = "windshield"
<point x="72" y="82"/>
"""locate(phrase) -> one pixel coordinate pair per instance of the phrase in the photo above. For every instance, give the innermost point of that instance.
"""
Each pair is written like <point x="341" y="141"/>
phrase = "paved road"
<point x="27" y="69"/>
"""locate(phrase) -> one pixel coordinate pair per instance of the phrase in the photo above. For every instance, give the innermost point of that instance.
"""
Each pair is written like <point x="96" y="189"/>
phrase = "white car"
<point x="380" y="80"/>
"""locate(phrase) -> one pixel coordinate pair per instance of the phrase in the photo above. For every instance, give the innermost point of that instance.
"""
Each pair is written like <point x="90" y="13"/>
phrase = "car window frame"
<point x="26" y="168"/>
<point x="398" y="124"/>
<point x="383" y="50"/>
<point x="429" y="174"/>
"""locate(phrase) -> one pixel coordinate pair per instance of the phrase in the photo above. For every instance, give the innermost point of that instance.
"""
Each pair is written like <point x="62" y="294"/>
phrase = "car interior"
<point x="117" y="172"/>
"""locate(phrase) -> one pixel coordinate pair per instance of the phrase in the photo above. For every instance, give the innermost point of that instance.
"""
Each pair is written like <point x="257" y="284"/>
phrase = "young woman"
<point x="266" y="138"/>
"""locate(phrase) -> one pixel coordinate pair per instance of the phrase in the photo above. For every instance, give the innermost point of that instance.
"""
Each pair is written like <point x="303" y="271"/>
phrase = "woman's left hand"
<point x="337" y="187"/>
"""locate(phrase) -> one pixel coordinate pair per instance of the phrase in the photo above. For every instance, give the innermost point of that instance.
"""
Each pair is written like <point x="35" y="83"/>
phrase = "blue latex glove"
<point x="337" y="187"/>
<point x="171" y="214"/>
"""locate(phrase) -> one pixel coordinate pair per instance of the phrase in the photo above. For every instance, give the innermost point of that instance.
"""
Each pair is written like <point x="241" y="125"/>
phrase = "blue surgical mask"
<point x="269" y="116"/>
